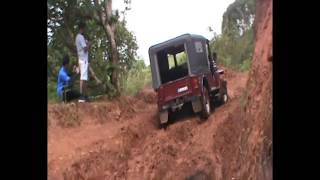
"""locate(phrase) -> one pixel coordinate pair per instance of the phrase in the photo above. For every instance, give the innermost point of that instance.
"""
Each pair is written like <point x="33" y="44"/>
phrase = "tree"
<point x="108" y="21"/>
<point x="235" y="45"/>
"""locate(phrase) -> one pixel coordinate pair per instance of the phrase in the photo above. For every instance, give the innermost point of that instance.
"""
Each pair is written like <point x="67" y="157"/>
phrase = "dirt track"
<point x="120" y="139"/>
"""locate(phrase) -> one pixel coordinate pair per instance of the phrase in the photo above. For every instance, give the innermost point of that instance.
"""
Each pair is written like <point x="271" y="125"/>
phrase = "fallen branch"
<point x="94" y="75"/>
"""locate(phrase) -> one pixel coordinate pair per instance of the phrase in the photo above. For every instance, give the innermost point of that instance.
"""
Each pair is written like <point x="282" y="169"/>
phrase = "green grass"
<point x="242" y="67"/>
<point x="136" y="81"/>
<point x="52" y="92"/>
<point x="245" y="66"/>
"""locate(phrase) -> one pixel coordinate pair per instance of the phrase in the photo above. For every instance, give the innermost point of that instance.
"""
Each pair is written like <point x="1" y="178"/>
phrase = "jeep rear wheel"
<point x="205" y="101"/>
<point x="163" y="119"/>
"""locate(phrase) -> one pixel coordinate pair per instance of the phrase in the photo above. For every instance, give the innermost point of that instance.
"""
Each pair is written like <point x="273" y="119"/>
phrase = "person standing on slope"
<point x="83" y="58"/>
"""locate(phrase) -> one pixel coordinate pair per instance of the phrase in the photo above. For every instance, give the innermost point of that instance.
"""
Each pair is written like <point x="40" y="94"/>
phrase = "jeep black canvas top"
<point x="178" y="57"/>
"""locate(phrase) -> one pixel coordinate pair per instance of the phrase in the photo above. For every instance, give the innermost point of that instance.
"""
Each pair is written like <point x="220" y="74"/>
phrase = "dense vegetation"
<point x="235" y="44"/>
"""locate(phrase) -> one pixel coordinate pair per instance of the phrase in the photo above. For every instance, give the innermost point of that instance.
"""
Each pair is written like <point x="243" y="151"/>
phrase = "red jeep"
<point x="183" y="70"/>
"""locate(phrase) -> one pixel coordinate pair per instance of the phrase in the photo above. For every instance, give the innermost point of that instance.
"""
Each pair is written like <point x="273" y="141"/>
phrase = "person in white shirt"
<point x="83" y="56"/>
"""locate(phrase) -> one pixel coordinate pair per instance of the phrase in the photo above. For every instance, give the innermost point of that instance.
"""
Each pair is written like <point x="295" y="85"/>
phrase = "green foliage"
<point x="235" y="45"/>
<point x="127" y="45"/>
<point x="138" y="77"/>
<point x="245" y="66"/>
<point x="52" y="92"/>
<point x="171" y="61"/>
<point x="238" y="17"/>
<point x="181" y="59"/>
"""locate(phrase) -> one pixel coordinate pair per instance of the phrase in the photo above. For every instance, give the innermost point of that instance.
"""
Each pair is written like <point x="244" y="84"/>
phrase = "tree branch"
<point x="94" y="75"/>
<point x="99" y="12"/>
<point x="108" y="9"/>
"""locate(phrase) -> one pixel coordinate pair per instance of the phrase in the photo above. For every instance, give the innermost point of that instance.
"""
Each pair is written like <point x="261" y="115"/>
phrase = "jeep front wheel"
<point x="225" y="98"/>
<point x="224" y="93"/>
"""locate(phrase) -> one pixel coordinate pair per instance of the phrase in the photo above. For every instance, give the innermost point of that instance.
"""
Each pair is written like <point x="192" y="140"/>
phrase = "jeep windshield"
<point x="172" y="63"/>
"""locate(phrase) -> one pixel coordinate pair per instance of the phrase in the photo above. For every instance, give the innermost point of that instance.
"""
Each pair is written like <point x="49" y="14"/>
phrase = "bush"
<point x="52" y="92"/>
<point x="227" y="62"/>
<point x="136" y="79"/>
<point x="245" y="66"/>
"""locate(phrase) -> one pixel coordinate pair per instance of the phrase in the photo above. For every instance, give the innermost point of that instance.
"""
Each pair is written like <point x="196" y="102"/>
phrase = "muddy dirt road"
<point x="120" y="139"/>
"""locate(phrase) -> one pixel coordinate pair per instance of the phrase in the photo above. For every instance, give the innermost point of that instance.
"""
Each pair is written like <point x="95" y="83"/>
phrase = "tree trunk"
<point x="115" y="57"/>
<point x="109" y="27"/>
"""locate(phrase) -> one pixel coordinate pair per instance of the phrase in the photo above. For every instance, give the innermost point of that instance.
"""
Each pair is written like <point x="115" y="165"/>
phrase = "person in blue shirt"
<point x="65" y="82"/>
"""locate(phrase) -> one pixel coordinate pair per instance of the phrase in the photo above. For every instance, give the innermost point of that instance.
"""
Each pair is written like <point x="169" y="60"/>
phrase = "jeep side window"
<point x="172" y="63"/>
<point x="181" y="58"/>
<point x="176" y="60"/>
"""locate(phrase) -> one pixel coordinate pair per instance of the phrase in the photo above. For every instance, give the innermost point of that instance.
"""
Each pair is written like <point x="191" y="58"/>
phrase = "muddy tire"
<point x="224" y="94"/>
<point x="205" y="103"/>
<point x="163" y="125"/>
<point x="163" y="119"/>
<point x="225" y="98"/>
